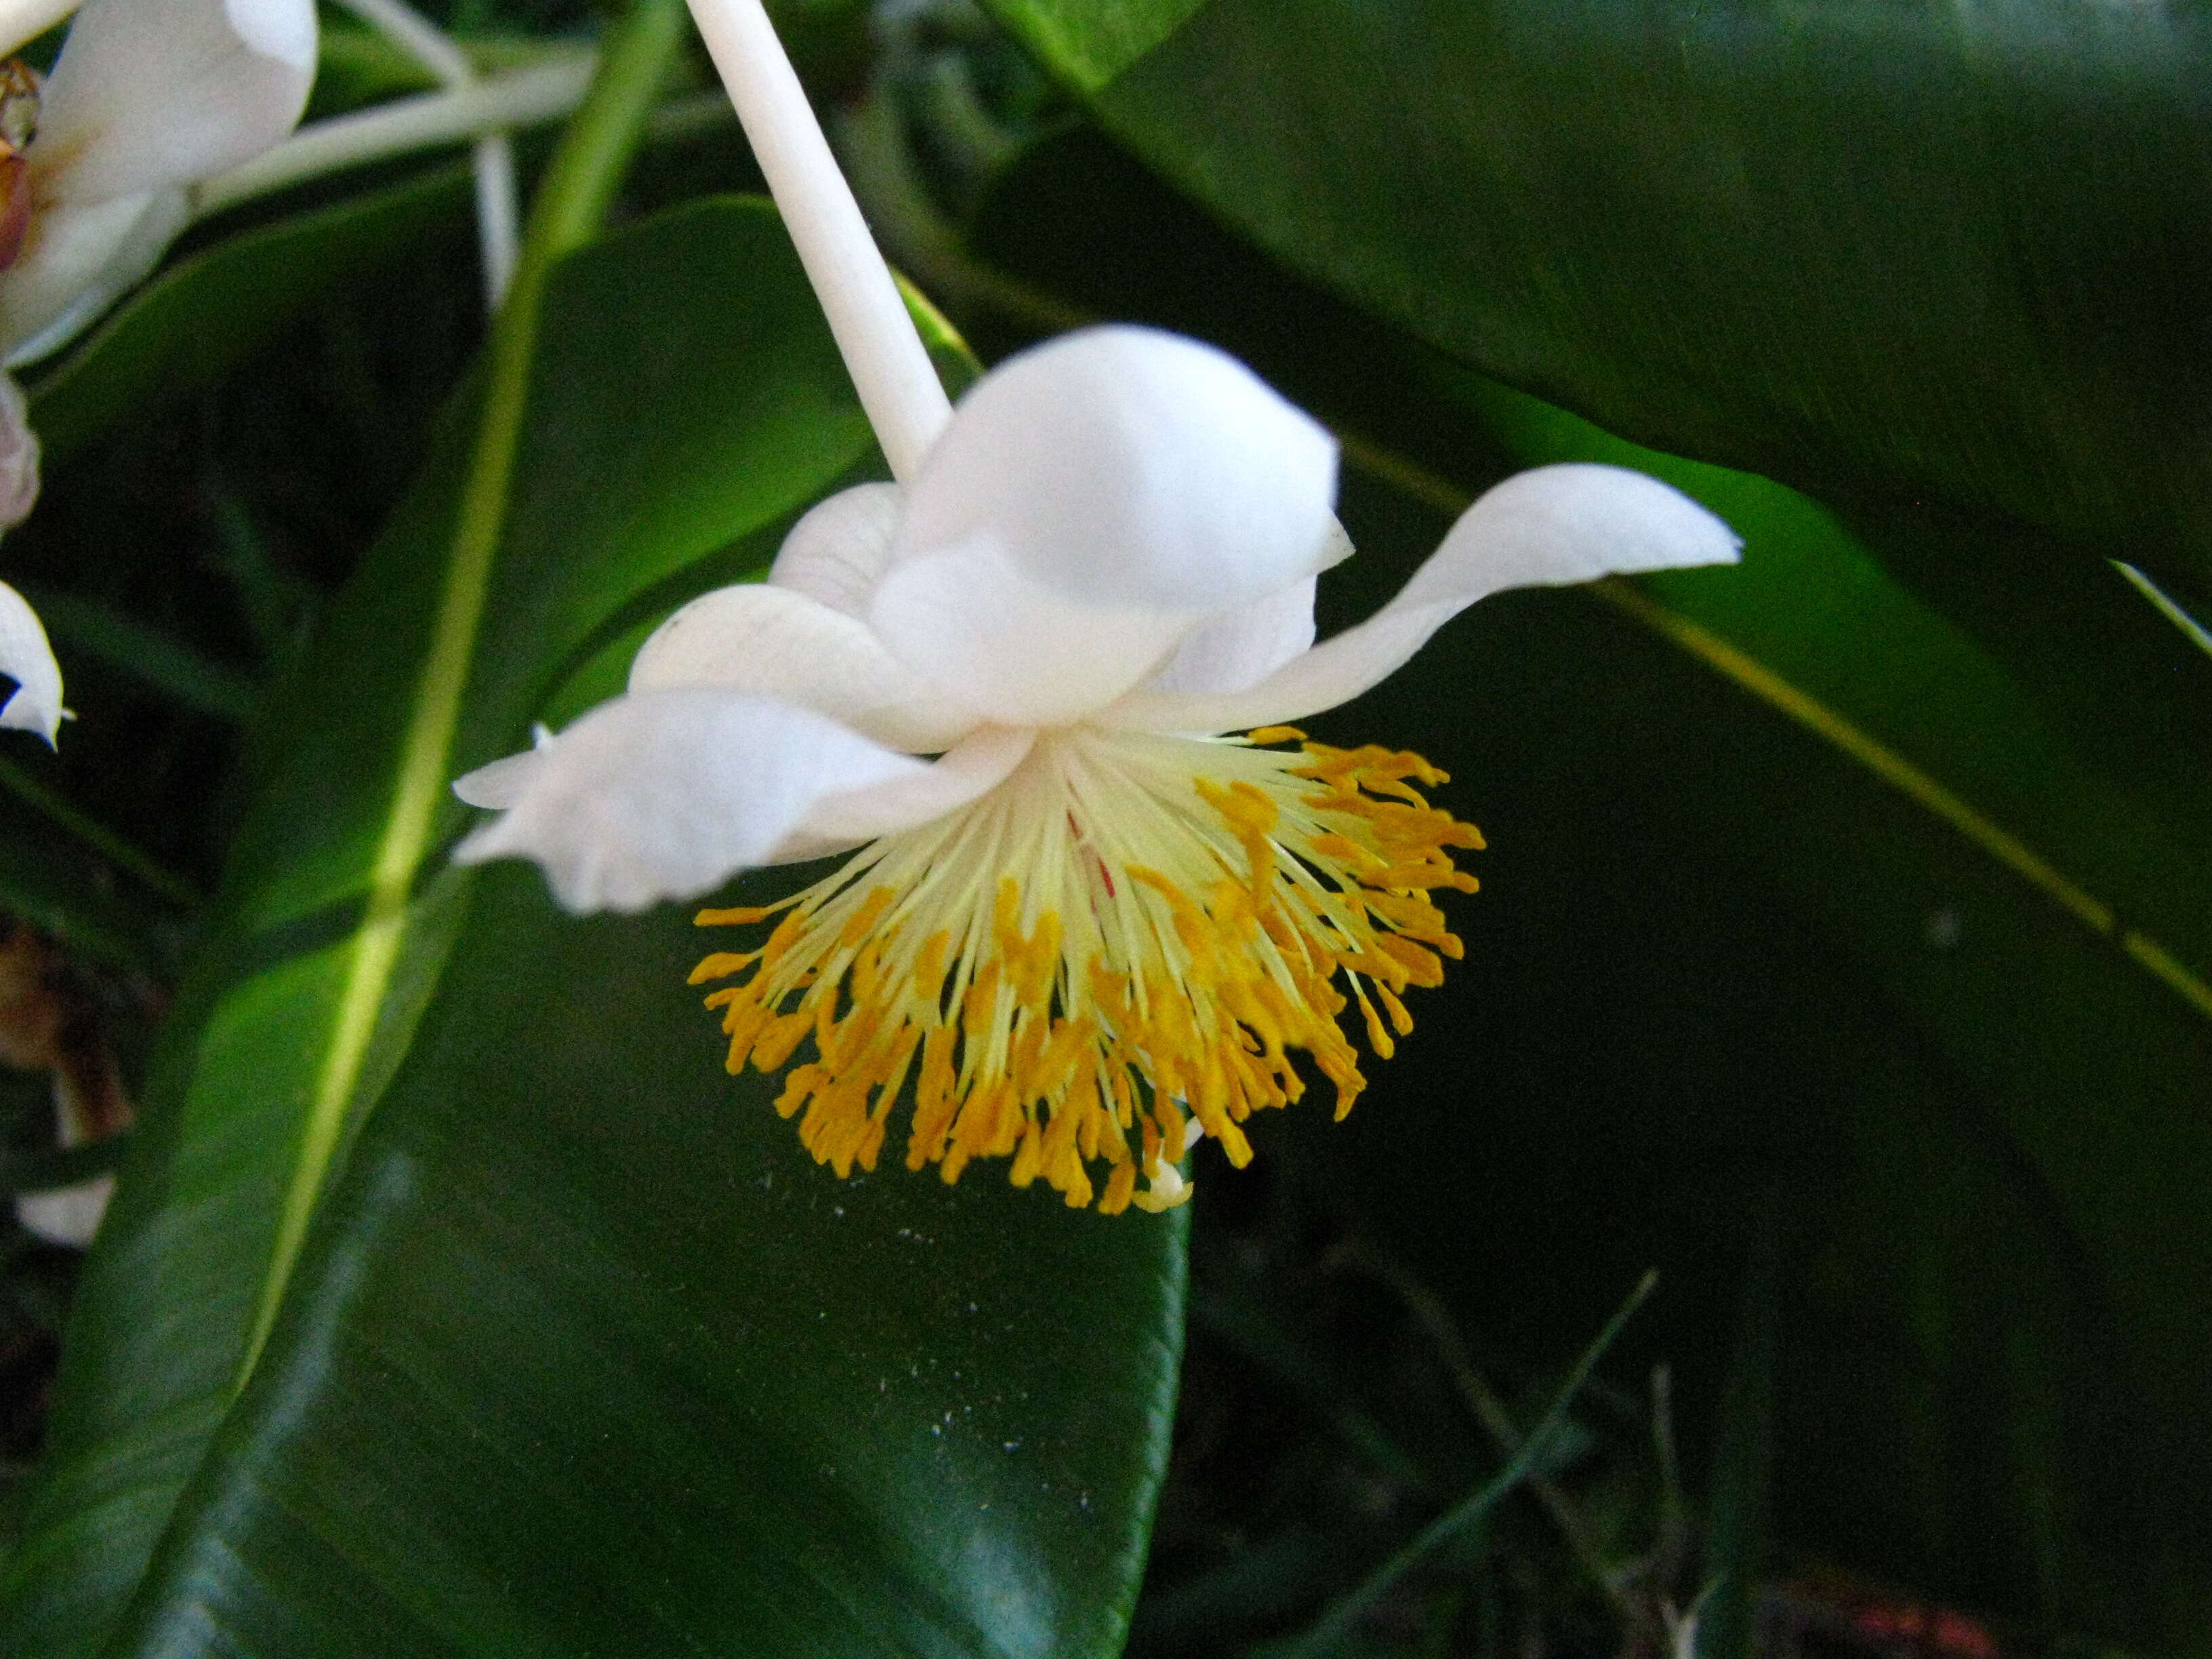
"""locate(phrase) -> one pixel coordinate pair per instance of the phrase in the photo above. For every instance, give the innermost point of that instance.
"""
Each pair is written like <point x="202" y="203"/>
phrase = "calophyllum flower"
<point x="96" y="165"/>
<point x="1098" y="924"/>
<point x="1101" y="895"/>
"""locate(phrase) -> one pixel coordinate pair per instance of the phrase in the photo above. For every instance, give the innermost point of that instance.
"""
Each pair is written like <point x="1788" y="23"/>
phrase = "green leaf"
<point x="1917" y="249"/>
<point x="213" y="310"/>
<point x="1890" y="895"/>
<point x="590" y="1358"/>
<point x="748" y="1377"/>
<point x="326" y="948"/>
<point x="1090" y="43"/>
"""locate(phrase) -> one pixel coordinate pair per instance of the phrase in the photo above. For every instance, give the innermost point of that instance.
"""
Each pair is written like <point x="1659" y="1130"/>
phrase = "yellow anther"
<point x="1102" y="997"/>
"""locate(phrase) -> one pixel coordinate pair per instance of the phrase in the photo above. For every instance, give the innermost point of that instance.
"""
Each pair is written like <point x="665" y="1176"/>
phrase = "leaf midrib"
<point x="571" y="202"/>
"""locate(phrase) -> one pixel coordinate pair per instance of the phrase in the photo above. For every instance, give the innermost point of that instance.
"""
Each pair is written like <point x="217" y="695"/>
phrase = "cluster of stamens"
<point x="1120" y="948"/>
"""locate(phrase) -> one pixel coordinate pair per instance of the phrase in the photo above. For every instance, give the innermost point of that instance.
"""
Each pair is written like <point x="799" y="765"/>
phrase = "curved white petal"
<point x="155" y="92"/>
<point x="666" y="794"/>
<point x="1554" y="526"/>
<point x="1021" y="654"/>
<point x="1242" y="647"/>
<point x="1124" y="466"/>
<point x="78" y="259"/>
<point x="1093" y="501"/>
<point x="838" y="552"/>
<point x="26" y="659"/>
<point x="776" y="642"/>
<point x="497" y="784"/>
<point x="978" y="763"/>
<point x="22" y="21"/>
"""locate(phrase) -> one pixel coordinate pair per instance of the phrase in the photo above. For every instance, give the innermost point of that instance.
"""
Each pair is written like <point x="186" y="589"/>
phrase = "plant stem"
<point x="496" y="212"/>
<point x="890" y="368"/>
<point x="520" y="98"/>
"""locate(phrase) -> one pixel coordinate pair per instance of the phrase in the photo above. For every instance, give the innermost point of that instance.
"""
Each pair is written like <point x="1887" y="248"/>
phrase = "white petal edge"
<point x="1242" y="647"/>
<point x="28" y="659"/>
<point x="1549" y="527"/>
<point x="776" y="642"/>
<point x="838" y="552"/>
<point x="22" y="21"/>
<point x="983" y="635"/>
<point x="978" y="763"/>
<point x="1125" y="467"/>
<point x="666" y="794"/>
<point x="80" y="258"/>
<point x="153" y="92"/>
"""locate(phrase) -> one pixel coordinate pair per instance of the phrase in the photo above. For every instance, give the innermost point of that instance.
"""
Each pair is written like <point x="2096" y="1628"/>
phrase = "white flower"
<point x="147" y="98"/>
<point x="1092" y="914"/>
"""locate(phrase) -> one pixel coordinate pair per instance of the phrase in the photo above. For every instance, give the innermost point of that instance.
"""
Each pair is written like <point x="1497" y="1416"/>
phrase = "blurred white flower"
<point x="1092" y="914"/>
<point x="147" y="98"/>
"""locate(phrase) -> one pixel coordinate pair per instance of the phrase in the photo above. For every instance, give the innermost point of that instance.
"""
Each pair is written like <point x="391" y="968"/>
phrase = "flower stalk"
<point x="889" y="366"/>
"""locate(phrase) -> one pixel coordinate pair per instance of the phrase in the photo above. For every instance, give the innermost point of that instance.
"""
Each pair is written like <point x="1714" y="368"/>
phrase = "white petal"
<point x="153" y="92"/>
<point x="666" y="794"/>
<point x="1092" y="501"/>
<point x="975" y="764"/>
<point x="26" y="659"/>
<point x="499" y="784"/>
<point x="840" y="822"/>
<point x="19" y="455"/>
<point x="1554" y="526"/>
<point x="1019" y="653"/>
<point x="22" y="21"/>
<point x="1242" y="647"/>
<point x="1126" y="466"/>
<point x="79" y="258"/>
<point x="69" y="1215"/>
<point x="837" y="553"/>
<point x="776" y="642"/>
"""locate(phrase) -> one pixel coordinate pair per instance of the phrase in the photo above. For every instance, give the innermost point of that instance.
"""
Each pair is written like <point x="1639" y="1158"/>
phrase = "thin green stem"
<point x="97" y="835"/>
<point x="2192" y="630"/>
<point x="579" y="184"/>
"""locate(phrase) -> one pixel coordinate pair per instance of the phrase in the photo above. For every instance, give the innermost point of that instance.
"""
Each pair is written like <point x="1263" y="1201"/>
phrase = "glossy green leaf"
<point x="685" y="402"/>
<point x="1802" y="885"/>
<point x="590" y="1358"/>
<point x="216" y="308"/>
<point x="753" y="419"/>
<point x="1876" y="252"/>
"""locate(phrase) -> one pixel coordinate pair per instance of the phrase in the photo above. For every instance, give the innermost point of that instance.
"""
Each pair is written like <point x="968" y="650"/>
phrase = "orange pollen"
<point x="1121" y="947"/>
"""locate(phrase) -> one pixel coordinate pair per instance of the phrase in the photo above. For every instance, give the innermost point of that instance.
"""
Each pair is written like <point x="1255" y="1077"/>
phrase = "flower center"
<point x="1119" y="948"/>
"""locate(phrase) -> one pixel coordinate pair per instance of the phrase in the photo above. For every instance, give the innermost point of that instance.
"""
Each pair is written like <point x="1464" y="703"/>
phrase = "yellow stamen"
<point x="1132" y="933"/>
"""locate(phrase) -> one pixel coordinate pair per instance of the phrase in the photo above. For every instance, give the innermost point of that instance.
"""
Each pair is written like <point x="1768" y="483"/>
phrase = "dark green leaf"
<point x="1977" y="804"/>
<point x="702" y="319"/>
<point x="590" y="1358"/>
<point x="1878" y="252"/>
<point x="214" y="309"/>
<point x="752" y="420"/>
